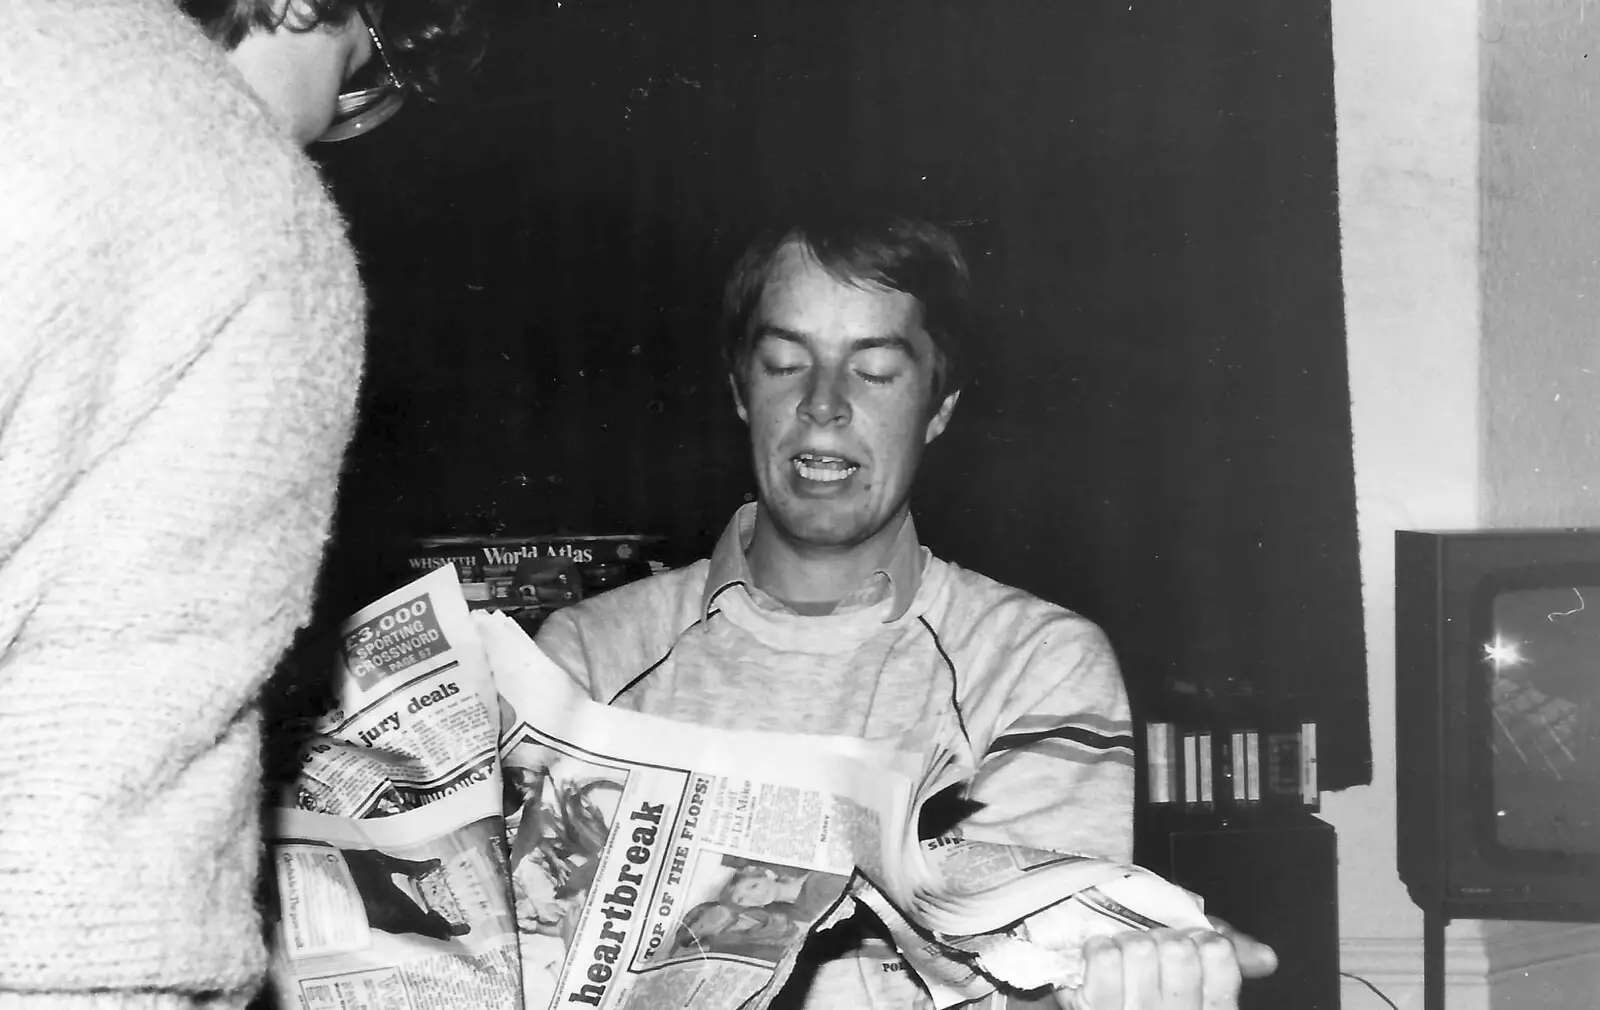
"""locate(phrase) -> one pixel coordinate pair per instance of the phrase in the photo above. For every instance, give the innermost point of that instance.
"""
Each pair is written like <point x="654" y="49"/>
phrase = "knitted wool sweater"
<point x="180" y="342"/>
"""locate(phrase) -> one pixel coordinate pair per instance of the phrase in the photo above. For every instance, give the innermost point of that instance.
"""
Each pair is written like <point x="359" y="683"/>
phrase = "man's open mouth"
<point x="813" y="466"/>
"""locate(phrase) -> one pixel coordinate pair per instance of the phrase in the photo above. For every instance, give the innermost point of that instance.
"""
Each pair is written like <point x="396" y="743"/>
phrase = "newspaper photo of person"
<point x="559" y="812"/>
<point x="416" y="901"/>
<point x="750" y="908"/>
<point x="432" y="894"/>
<point x="805" y="893"/>
<point x="717" y="927"/>
<point x="396" y="894"/>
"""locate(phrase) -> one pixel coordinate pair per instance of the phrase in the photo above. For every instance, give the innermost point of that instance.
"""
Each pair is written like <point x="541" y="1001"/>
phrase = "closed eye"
<point x="880" y="364"/>
<point x="780" y="354"/>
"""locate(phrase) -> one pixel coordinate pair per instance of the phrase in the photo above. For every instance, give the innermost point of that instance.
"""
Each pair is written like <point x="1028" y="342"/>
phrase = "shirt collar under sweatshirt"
<point x="898" y="579"/>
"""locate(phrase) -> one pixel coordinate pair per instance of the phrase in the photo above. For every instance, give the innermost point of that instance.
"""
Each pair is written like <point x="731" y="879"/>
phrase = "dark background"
<point x="1157" y="432"/>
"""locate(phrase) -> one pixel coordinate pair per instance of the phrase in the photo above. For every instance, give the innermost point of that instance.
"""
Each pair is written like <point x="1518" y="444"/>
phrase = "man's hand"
<point x="1168" y="969"/>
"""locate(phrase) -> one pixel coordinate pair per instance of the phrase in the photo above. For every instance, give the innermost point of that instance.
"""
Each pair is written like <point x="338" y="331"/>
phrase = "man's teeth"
<point x="823" y="468"/>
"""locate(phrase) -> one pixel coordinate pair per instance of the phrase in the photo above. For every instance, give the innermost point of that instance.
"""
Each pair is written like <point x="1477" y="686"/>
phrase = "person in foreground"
<point x="180" y="348"/>
<point x="819" y="611"/>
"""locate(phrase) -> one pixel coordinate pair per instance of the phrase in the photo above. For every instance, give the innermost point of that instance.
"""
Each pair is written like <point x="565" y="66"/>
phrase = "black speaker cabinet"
<point x="1276" y="880"/>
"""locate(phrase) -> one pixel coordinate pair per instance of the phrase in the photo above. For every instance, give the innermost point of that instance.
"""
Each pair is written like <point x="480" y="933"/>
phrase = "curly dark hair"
<point x="433" y="42"/>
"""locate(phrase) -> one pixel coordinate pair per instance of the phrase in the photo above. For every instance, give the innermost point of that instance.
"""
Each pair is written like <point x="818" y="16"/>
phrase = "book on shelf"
<point x="1234" y="767"/>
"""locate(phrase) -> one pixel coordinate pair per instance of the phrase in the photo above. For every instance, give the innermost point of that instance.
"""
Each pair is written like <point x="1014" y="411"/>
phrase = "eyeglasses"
<point x="372" y="95"/>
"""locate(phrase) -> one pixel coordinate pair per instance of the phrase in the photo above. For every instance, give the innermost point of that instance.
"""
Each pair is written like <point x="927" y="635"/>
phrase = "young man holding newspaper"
<point x="819" y="611"/>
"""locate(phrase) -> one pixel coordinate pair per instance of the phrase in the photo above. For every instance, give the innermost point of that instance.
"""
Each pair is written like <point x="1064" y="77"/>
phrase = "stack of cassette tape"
<point x="1231" y="766"/>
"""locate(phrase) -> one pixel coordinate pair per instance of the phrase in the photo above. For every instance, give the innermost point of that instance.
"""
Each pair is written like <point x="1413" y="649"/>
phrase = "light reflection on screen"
<point x="1545" y="655"/>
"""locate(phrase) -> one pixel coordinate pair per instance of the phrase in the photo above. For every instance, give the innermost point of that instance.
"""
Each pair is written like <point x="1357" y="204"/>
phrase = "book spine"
<point x="1191" y="770"/>
<point x="1238" y="778"/>
<point x="1205" y="775"/>
<point x="1252" y="768"/>
<point x="1310" y="792"/>
<point x="1161" y="763"/>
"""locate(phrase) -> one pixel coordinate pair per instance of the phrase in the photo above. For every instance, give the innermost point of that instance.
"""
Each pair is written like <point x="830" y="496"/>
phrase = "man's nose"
<point x="827" y="397"/>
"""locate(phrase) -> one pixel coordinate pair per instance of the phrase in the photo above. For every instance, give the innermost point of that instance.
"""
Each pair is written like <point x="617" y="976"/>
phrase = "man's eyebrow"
<point x="766" y="330"/>
<point x="893" y="341"/>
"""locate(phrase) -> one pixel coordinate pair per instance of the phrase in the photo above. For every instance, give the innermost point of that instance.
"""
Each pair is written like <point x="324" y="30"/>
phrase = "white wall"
<point x="1473" y="402"/>
<point x="1406" y="92"/>
<point x="1540" y="362"/>
<point x="1541" y="261"/>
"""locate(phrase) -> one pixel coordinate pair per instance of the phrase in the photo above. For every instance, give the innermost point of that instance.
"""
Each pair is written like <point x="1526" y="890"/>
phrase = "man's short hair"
<point x="904" y="254"/>
<point x="433" y="41"/>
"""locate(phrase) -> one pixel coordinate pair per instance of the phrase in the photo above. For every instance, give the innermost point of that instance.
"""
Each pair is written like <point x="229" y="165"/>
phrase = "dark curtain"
<point x="1157" y="433"/>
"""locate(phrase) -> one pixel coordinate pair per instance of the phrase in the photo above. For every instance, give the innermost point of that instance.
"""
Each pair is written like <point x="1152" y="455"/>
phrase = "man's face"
<point x="837" y="397"/>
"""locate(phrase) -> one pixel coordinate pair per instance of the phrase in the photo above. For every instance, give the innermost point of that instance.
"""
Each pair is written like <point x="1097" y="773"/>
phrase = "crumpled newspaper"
<point x="1046" y="949"/>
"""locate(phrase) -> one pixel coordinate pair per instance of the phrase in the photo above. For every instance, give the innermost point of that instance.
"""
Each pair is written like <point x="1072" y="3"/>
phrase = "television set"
<point x="1497" y="722"/>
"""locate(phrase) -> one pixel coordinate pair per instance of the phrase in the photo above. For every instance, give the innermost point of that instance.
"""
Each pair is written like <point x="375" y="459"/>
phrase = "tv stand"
<point x="1434" y="920"/>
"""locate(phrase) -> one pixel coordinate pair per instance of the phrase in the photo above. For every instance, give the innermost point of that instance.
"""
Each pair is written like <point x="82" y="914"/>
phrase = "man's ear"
<point x="738" y="399"/>
<point x="941" y="417"/>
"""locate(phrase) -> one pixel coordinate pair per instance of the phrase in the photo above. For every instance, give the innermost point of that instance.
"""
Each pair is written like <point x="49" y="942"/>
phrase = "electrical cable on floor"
<point x="1369" y="985"/>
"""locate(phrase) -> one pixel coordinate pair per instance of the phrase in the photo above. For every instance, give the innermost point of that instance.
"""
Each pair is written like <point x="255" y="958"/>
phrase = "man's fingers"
<point x="1102" y="976"/>
<point x="1256" y="959"/>
<point x="1182" y="974"/>
<point x="1141" y="971"/>
<point x="1220" y="968"/>
<point x="1168" y="969"/>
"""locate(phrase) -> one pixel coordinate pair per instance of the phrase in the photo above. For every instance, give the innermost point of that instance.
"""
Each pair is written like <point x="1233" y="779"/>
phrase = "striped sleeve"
<point x="1058" y="773"/>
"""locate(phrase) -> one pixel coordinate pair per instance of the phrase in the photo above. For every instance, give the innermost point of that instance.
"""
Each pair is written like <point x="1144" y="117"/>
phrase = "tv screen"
<point x="1497" y="738"/>
<point x="1542" y="647"/>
